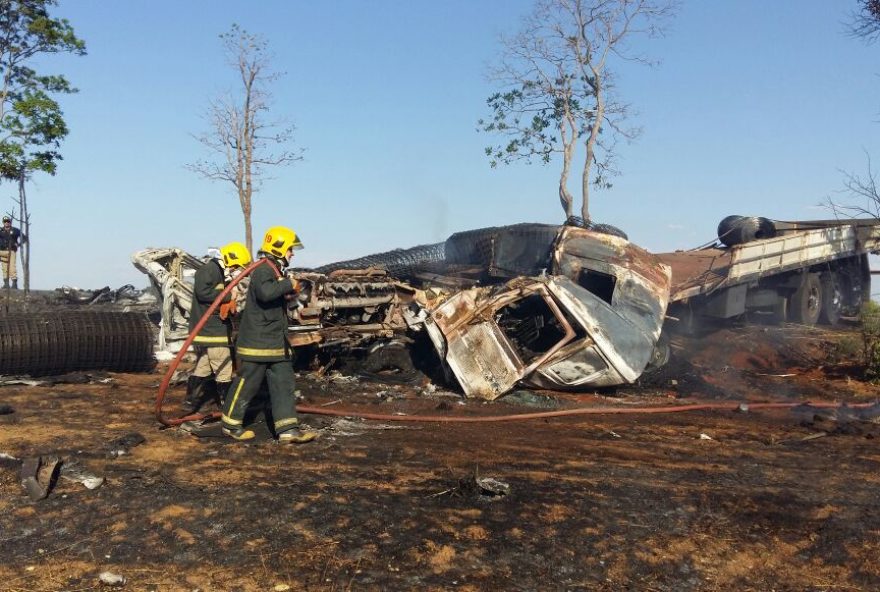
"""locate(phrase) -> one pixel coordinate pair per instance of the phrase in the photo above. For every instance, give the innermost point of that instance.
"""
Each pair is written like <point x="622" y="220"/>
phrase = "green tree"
<point x="31" y="121"/>
<point x="557" y="86"/>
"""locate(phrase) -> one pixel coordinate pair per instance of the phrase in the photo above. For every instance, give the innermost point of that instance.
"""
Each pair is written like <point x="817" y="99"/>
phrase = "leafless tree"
<point x="865" y="23"/>
<point x="241" y="137"/>
<point x="862" y="192"/>
<point x="558" y="86"/>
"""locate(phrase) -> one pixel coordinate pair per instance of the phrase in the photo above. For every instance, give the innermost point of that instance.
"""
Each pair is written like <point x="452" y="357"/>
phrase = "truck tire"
<point x="736" y="230"/>
<point x="391" y="363"/>
<point x="660" y="355"/>
<point x="832" y="298"/>
<point x="805" y="305"/>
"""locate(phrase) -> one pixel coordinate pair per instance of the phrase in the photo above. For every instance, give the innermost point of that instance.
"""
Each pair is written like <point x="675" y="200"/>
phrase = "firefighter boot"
<point x="15" y="284"/>
<point x="297" y="435"/>
<point x="237" y="433"/>
<point x="195" y="388"/>
<point x="222" y="389"/>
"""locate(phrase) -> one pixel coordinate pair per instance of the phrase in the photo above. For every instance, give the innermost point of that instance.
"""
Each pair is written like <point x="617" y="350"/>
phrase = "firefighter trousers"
<point x="281" y="383"/>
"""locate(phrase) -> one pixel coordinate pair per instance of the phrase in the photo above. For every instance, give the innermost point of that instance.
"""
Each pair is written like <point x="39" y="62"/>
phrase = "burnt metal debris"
<point x="73" y="295"/>
<point x="565" y="307"/>
<point x="570" y="307"/>
<point x="42" y="344"/>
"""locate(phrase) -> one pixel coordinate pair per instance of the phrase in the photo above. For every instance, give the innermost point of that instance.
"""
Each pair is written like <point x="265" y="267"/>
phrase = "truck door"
<point x="493" y="341"/>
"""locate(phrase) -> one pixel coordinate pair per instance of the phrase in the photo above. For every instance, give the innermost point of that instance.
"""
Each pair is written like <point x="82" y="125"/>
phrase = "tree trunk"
<point x="567" y="152"/>
<point x="591" y="149"/>
<point x="25" y="247"/>
<point x="564" y="196"/>
<point x="248" y="236"/>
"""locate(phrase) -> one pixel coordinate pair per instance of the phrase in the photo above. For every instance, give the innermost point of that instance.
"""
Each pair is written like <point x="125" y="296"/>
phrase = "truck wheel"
<point x="806" y="303"/>
<point x="832" y="298"/>
<point x="660" y="355"/>
<point x="779" y="312"/>
<point x="865" y="268"/>
<point x="737" y="230"/>
<point x="390" y="363"/>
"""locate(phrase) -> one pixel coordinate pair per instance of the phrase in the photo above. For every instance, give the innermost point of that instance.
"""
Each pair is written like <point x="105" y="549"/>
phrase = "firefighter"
<point x="262" y="347"/>
<point x="212" y="344"/>
<point x="10" y="239"/>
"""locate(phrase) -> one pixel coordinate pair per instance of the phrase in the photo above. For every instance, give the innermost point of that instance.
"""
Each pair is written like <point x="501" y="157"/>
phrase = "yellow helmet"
<point x="235" y="254"/>
<point x="278" y="240"/>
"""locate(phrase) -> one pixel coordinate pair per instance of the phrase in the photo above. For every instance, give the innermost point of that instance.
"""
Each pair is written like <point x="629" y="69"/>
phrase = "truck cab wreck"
<point x="593" y="321"/>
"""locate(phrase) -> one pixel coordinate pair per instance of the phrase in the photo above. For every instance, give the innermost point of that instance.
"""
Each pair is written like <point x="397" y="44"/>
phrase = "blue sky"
<point x="755" y="109"/>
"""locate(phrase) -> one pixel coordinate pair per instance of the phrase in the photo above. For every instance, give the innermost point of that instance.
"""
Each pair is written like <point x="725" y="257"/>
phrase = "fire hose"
<point x="166" y="381"/>
<point x="728" y="406"/>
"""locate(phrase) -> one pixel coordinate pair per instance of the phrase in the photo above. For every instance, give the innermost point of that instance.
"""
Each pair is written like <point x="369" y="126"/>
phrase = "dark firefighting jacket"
<point x="262" y="333"/>
<point x="207" y="285"/>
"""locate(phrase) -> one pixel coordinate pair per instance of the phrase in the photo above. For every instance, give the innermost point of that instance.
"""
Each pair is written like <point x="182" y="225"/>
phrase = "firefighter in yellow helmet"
<point x="262" y="347"/>
<point x="212" y="344"/>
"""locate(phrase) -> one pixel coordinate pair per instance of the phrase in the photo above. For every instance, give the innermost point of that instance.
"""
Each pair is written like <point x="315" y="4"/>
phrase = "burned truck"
<point x="568" y="307"/>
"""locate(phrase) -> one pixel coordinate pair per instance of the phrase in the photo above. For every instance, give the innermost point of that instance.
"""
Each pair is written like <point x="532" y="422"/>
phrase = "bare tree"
<point x="558" y="86"/>
<point x="865" y="22"/>
<point x="241" y="137"/>
<point x="863" y="192"/>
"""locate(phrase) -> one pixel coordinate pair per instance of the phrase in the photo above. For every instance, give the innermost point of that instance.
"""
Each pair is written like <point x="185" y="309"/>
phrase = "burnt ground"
<point x="707" y="500"/>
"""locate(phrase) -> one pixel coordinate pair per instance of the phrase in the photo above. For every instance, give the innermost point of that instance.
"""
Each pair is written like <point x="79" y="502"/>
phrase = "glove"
<point x="295" y="283"/>
<point x="227" y="309"/>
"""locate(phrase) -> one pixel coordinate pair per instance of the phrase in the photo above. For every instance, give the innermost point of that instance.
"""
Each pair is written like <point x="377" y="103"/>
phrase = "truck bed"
<point x="705" y="270"/>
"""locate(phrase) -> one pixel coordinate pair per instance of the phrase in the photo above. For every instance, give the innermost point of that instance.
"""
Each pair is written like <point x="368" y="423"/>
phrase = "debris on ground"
<point x="108" y="578"/>
<point x="39" y="475"/>
<point x="122" y="445"/>
<point x="73" y="471"/>
<point x="475" y="486"/>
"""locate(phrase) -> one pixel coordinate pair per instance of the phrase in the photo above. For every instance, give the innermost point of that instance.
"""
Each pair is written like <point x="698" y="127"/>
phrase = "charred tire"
<point x="659" y="356"/>
<point x="390" y="363"/>
<point x="865" y="269"/>
<point x="805" y="305"/>
<point x="854" y="280"/>
<point x="736" y="230"/>
<point x="609" y="229"/>
<point x="832" y="298"/>
<point x="779" y="312"/>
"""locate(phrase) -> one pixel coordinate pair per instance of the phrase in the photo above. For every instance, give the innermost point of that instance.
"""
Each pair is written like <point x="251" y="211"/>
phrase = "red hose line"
<point x="166" y="381"/>
<point x="566" y="412"/>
